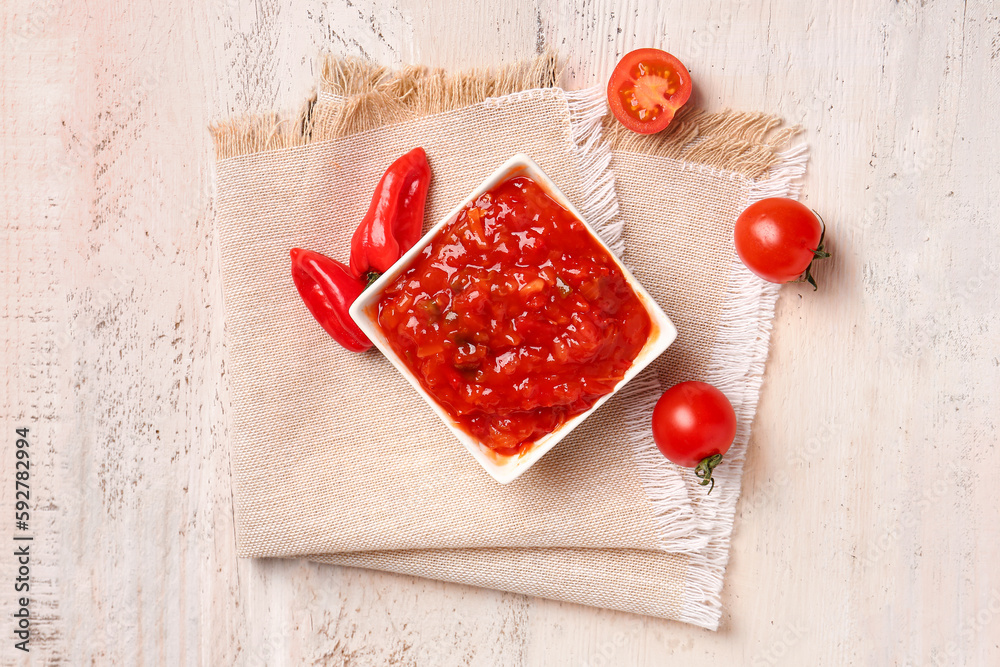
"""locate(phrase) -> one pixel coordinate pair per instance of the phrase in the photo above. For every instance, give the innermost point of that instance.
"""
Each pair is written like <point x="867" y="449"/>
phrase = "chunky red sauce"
<point x="514" y="318"/>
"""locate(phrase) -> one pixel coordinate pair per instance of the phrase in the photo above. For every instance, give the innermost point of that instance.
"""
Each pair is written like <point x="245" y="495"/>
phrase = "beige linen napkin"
<point x="337" y="459"/>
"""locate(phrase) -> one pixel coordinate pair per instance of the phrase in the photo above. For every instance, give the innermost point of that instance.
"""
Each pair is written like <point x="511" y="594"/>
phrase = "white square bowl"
<point x="505" y="469"/>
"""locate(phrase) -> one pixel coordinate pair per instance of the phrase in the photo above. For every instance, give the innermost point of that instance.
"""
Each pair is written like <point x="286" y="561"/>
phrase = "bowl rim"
<point x="512" y="467"/>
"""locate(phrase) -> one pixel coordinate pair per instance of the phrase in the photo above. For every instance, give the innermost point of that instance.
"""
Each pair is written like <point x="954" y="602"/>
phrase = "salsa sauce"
<point x="514" y="318"/>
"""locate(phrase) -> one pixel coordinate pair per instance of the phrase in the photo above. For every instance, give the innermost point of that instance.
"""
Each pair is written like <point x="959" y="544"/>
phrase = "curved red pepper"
<point x="328" y="289"/>
<point x="394" y="219"/>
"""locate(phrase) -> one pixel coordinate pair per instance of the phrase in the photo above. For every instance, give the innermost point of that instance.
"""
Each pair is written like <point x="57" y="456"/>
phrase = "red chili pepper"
<point x="394" y="219"/>
<point x="328" y="289"/>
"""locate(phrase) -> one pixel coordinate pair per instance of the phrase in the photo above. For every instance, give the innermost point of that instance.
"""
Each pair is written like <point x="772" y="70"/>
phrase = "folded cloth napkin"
<point x="337" y="459"/>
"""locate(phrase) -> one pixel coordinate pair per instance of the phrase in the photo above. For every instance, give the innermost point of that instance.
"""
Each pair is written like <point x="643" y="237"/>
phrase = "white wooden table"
<point x="868" y="532"/>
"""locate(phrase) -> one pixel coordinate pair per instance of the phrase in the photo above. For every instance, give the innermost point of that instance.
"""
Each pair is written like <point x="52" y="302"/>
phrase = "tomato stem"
<point x="818" y="253"/>
<point x="703" y="470"/>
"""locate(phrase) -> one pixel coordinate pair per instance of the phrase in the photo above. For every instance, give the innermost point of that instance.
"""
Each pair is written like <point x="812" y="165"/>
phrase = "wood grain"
<point x="868" y="530"/>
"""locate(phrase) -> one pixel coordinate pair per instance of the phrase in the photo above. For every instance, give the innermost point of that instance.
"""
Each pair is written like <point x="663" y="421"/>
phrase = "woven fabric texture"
<point x="337" y="459"/>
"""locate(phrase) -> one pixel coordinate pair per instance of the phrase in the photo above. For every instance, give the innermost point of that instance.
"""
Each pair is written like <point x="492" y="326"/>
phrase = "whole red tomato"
<point x="779" y="238"/>
<point x="694" y="425"/>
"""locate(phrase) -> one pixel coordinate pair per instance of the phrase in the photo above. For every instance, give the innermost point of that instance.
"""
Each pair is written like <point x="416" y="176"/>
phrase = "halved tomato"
<point x="647" y="88"/>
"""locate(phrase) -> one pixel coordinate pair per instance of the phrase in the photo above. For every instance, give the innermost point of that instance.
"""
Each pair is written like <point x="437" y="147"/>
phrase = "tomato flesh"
<point x="646" y="89"/>
<point x="514" y="318"/>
